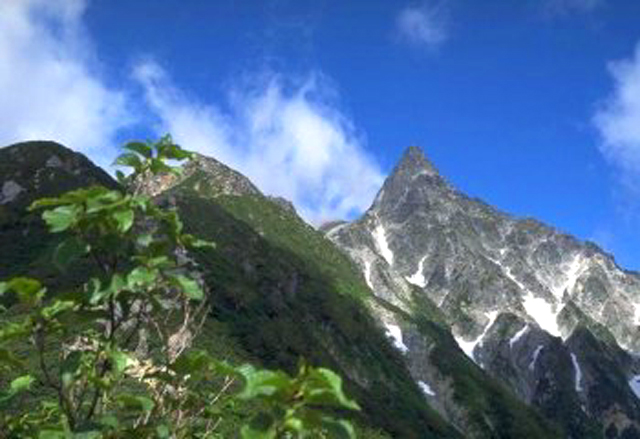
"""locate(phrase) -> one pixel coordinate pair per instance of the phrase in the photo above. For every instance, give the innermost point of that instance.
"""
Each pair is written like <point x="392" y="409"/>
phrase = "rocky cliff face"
<point x="553" y="317"/>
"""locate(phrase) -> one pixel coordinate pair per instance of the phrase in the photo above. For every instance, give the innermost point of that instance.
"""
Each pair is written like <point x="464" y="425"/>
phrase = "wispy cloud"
<point x="48" y="84"/>
<point x="566" y="7"/>
<point x="618" y="120"/>
<point x="289" y="136"/>
<point x="423" y="25"/>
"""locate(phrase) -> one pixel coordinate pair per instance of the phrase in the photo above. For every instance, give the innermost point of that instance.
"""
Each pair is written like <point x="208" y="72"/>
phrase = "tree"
<point x="113" y="357"/>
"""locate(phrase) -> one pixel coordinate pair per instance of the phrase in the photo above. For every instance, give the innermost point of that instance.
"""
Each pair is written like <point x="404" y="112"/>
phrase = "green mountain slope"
<point x="280" y="291"/>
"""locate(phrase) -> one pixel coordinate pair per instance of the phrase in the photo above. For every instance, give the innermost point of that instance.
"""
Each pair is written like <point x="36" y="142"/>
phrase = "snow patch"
<point x="367" y="274"/>
<point x="417" y="278"/>
<point x="395" y="333"/>
<point x="636" y="320"/>
<point x="426" y="388"/>
<point x="518" y="336"/>
<point x="576" y="367"/>
<point x="532" y="365"/>
<point x="469" y="346"/>
<point x="383" y="246"/>
<point x="543" y="313"/>
<point x="577" y="267"/>
<point x="634" y="383"/>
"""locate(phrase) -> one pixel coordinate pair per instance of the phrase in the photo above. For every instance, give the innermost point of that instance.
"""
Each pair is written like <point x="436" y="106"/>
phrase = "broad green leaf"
<point x="57" y="307"/>
<point x="120" y="360"/>
<point x="144" y="240"/>
<point x="163" y="431"/>
<point x="141" y="276"/>
<point x="141" y="148"/>
<point x="12" y="331"/>
<point x="61" y="218"/>
<point x="29" y="291"/>
<point x="124" y="218"/>
<point x="69" y="250"/>
<point x="259" y="383"/>
<point x="189" y="287"/>
<point x="159" y="167"/>
<point x="131" y="160"/>
<point x="324" y="387"/>
<point x="21" y="384"/>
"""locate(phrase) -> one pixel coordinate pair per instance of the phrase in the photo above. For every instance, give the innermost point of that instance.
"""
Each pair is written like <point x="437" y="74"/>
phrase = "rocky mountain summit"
<point x="553" y="317"/>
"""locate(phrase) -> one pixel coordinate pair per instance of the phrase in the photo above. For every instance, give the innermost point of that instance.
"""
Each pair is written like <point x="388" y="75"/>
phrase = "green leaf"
<point x="61" y="218"/>
<point x="21" y="384"/>
<point x="144" y="240"/>
<point x="159" y="167"/>
<point x="57" y="307"/>
<point x="124" y="218"/>
<point x="324" y="387"/>
<point x="189" y="286"/>
<point x="259" y="383"/>
<point x="11" y="331"/>
<point x="141" y="276"/>
<point x="163" y="431"/>
<point x="131" y="160"/>
<point x="29" y="291"/>
<point x="69" y="250"/>
<point x="141" y="148"/>
<point x="120" y="360"/>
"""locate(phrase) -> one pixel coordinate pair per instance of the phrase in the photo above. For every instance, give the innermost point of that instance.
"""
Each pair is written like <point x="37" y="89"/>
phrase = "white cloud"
<point x="48" y="87"/>
<point x="564" y="7"/>
<point x="423" y="25"/>
<point x="618" y="119"/>
<point x="288" y="136"/>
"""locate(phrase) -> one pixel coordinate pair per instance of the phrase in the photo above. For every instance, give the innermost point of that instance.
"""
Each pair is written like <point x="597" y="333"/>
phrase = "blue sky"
<point x="533" y="105"/>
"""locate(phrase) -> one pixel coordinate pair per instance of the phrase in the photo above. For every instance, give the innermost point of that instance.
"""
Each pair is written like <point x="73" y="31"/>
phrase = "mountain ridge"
<point x="476" y="263"/>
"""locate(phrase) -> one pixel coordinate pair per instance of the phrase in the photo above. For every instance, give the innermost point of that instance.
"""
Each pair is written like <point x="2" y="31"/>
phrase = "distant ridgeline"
<point x="445" y="316"/>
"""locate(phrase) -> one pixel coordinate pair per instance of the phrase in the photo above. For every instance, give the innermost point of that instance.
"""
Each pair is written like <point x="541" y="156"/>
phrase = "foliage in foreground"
<point x="112" y="358"/>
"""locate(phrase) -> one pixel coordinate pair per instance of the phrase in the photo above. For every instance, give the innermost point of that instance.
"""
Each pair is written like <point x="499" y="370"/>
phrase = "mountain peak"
<point x="414" y="161"/>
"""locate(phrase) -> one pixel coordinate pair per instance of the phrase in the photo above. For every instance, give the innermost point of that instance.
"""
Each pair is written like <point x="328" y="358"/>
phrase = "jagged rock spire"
<point x="414" y="162"/>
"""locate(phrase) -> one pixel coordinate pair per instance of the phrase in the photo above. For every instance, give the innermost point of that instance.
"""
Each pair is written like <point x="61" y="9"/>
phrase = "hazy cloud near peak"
<point x="618" y="120"/>
<point x="423" y="24"/>
<point x="49" y="89"/>
<point x="289" y="136"/>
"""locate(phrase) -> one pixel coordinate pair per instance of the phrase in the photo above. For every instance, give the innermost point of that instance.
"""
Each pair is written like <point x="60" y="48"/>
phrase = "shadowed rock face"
<point x="519" y="295"/>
